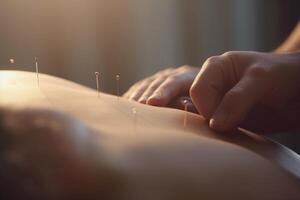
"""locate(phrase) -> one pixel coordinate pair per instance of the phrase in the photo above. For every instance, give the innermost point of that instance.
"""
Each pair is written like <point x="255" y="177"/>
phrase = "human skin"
<point x="60" y="140"/>
<point x="167" y="88"/>
<point x="230" y="87"/>
<point x="49" y="155"/>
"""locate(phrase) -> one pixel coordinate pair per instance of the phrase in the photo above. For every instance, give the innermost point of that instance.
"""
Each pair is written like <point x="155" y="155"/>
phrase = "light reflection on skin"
<point x="6" y="76"/>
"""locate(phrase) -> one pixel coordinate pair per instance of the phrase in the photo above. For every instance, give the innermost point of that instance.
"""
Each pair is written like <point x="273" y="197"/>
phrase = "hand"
<point x="229" y="86"/>
<point x="165" y="88"/>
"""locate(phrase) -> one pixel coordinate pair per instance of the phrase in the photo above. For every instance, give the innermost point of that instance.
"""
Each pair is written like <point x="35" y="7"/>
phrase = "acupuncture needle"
<point x="185" y="103"/>
<point x="118" y="84"/>
<point x="97" y="74"/>
<point x="37" y="71"/>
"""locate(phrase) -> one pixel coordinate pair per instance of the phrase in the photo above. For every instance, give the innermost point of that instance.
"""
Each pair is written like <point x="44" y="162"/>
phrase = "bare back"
<point x="148" y="150"/>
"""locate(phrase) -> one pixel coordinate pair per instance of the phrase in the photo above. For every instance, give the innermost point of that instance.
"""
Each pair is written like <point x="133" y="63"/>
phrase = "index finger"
<point x="172" y="87"/>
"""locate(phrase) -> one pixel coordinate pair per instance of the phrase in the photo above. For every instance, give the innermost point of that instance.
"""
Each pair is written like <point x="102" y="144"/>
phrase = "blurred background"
<point x="135" y="38"/>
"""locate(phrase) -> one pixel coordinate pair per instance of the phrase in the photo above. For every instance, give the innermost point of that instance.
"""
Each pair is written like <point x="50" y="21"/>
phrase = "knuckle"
<point x="132" y="88"/>
<point x="137" y="83"/>
<point x="152" y="86"/>
<point x="148" y="81"/>
<point x="230" y="54"/>
<point x="157" y="74"/>
<point x="170" y="80"/>
<point x="150" y="89"/>
<point x="174" y="77"/>
<point x="168" y="70"/>
<point x="258" y="71"/>
<point x="230" y="58"/>
<point x="164" y="72"/>
<point x="213" y="60"/>
<point x="184" y="68"/>
<point x="144" y="81"/>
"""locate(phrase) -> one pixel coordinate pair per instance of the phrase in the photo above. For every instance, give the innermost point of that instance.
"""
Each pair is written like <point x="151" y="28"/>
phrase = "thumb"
<point x="209" y="86"/>
<point x="237" y="102"/>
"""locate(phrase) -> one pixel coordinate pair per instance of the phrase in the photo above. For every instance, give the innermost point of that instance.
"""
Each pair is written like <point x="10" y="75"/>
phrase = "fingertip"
<point x="218" y="122"/>
<point x="187" y="102"/>
<point x="214" y="124"/>
<point x="142" y="100"/>
<point x="134" y="97"/>
<point x="126" y="95"/>
<point x="155" y="101"/>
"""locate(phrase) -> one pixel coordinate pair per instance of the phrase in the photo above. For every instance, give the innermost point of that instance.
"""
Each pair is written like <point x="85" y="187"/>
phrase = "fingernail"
<point x="216" y="125"/>
<point x="154" y="101"/>
<point x="218" y="121"/>
<point x="142" y="100"/>
<point x="212" y="123"/>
